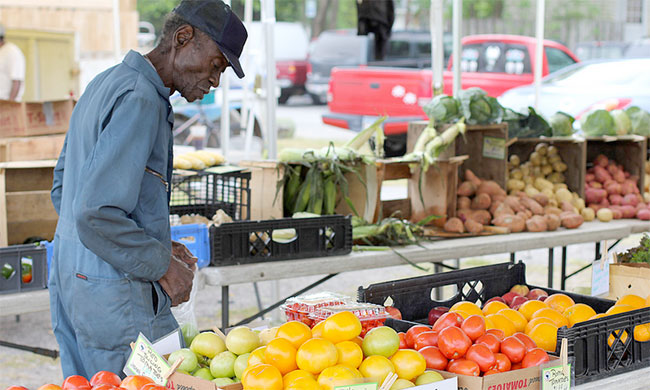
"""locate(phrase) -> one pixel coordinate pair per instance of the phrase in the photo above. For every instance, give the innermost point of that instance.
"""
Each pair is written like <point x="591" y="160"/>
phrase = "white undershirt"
<point x="12" y="67"/>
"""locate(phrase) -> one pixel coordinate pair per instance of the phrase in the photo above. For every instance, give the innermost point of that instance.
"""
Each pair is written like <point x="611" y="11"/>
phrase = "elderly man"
<point x="115" y="272"/>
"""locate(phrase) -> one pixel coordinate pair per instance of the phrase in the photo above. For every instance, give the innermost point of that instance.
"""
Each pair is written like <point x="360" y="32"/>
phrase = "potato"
<point x="533" y="206"/>
<point x="552" y="151"/>
<point x="480" y="216"/>
<point x="560" y="167"/>
<point x="537" y="171"/>
<point x="503" y="209"/>
<point x="588" y="214"/>
<point x="563" y="195"/>
<point x="549" y="193"/>
<point x="545" y="161"/>
<point x="554" y="159"/>
<point x="541" y="199"/>
<point x="463" y="202"/>
<point x="557" y="186"/>
<point x="516" y="174"/>
<point x="470" y="176"/>
<point x="514" y="223"/>
<point x="578" y="203"/>
<point x="567" y="206"/>
<point x="643" y="214"/>
<point x="473" y="227"/>
<point x="547" y="170"/>
<point x="541" y="149"/>
<point x="466" y="188"/>
<point x="491" y="188"/>
<point x="514" y="160"/>
<point x="515" y="185"/>
<point x="552" y="202"/>
<point x="481" y="202"/>
<point x="454" y="225"/>
<point x="552" y="221"/>
<point x="535" y="159"/>
<point x="536" y="224"/>
<point x="556" y="177"/>
<point x="529" y="180"/>
<point x="541" y="184"/>
<point x="605" y="215"/>
<point x="552" y="210"/>
<point x="531" y="191"/>
<point x="571" y="220"/>
<point x="525" y="169"/>
<point x="514" y="203"/>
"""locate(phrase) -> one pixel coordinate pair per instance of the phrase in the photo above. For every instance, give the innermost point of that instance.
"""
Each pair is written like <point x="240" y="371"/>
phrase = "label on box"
<point x="553" y="378"/>
<point x="600" y="277"/>
<point x="494" y="148"/>
<point x="144" y="360"/>
<point x="362" y="386"/>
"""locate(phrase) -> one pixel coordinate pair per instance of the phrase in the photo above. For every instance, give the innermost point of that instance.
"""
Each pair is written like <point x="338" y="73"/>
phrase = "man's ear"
<point x="183" y="35"/>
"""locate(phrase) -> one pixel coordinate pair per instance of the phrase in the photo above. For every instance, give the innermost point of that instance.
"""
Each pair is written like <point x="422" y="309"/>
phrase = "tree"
<point x="154" y="11"/>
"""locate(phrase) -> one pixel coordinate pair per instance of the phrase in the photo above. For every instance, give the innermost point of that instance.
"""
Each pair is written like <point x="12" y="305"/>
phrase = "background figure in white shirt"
<point x="12" y="70"/>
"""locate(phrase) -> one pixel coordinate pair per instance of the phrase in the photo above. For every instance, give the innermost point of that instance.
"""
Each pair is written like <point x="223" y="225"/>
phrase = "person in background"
<point x="377" y="17"/>
<point x="12" y="70"/>
<point x="115" y="272"/>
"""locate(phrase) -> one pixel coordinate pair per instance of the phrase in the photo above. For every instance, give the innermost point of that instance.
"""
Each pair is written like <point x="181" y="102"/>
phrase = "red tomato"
<point x="491" y="341"/>
<point x="434" y="358"/>
<point x="414" y="331"/>
<point x="503" y="363"/>
<point x="76" y="382"/>
<point x="426" y="339"/>
<point x="153" y="386"/>
<point x="473" y="326"/>
<point x="17" y="387"/>
<point x="453" y="342"/>
<point x="105" y="377"/>
<point x="464" y="367"/>
<point x="105" y="386"/>
<point x="482" y="355"/>
<point x="448" y="319"/>
<point x="135" y="382"/>
<point x="394" y="312"/>
<point x="528" y="342"/>
<point x="515" y="366"/>
<point x="534" y="357"/>
<point x="491" y="372"/>
<point x="513" y="348"/>
<point x="402" y="340"/>
<point x="497" y="332"/>
<point x="49" y="386"/>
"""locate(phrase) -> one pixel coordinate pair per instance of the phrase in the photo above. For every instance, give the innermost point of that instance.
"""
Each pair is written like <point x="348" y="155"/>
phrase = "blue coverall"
<point x="112" y="241"/>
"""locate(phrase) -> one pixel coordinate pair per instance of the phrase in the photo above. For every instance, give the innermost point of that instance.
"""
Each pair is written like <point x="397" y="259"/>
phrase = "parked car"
<point x="608" y="84"/>
<point x="495" y="63"/>
<point x="638" y="49"/>
<point x="600" y="50"/>
<point x="407" y="49"/>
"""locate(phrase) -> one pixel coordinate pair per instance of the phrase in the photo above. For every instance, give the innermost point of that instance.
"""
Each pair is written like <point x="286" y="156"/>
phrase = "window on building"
<point x="634" y="11"/>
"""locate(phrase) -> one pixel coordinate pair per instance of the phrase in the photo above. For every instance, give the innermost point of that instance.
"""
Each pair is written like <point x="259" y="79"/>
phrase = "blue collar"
<point x="136" y="61"/>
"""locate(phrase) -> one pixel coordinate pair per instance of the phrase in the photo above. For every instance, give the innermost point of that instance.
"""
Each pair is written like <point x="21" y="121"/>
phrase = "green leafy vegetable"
<point x="640" y="254"/>
<point x="478" y="108"/>
<point x="621" y="122"/>
<point x="561" y="124"/>
<point x="598" y="123"/>
<point x="443" y="109"/>
<point x="640" y="120"/>
<point x="527" y="126"/>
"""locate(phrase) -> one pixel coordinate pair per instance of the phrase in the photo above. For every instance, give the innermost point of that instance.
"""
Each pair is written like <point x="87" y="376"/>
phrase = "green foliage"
<point x="598" y="123"/>
<point x="154" y="11"/>
<point x="561" y="124"/>
<point x="640" y="254"/>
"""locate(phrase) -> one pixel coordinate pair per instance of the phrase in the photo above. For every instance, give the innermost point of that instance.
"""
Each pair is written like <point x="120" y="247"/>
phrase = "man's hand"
<point x="177" y="282"/>
<point x="179" y="250"/>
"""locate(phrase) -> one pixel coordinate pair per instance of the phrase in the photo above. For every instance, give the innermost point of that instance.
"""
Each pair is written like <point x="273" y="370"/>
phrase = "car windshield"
<point x="605" y="73"/>
<point x="335" y="46"/>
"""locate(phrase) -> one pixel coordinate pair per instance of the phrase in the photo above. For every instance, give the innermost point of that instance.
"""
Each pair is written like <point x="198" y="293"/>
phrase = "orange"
<point x="518" y="319"/>
<point x="463" y="313"/>
<point x="262" y="377"/>
<point x="294" y="331"/>
<point x="339" y="375"/>
<point x="536" y="321"/>
<point x="488" y="324"/>
<point x="503" y="323"/>
<point x="376" y="368"/>
<point x="303" y="384"/>
<point x="467" y="307"/>
<point x="317" y="330"/>
<point x="578" y="313"/>
<point x="257" y="357"/>
<point x="553" y="315"/>
<point x="559" y="302"/>
<point x="350" y="353"/>
<point x="632" y="300"/>
<point x="294" y="375"/>
<point x="315" y="355"/>
<point x="341" y="327"/>
<point x="612" y="337"/>
<point x="281" y="354"/>
<point x="545" y="336"/>
<point x="494" y="307"/>
<point x="529" y="308"/>
<point x="618" y="309"/>
<point x="642" y="332"/>
<point x="601" y="315"/>
<point x="409" y="364"/>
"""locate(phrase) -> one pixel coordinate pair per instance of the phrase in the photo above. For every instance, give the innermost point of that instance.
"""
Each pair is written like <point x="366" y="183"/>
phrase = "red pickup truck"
<point x="495" y="63"/>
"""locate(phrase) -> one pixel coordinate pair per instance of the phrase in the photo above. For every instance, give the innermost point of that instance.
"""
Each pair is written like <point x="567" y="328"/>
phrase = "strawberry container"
<point x="300" y="308"/>
<point x="370" y="315"/>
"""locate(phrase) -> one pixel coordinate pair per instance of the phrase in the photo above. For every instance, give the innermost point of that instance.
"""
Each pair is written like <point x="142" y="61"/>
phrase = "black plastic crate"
<point x="207" y="192"/>
<point x="251" y="242"/>
<point x="13" y="259"/>
<point x="594" y="358"/>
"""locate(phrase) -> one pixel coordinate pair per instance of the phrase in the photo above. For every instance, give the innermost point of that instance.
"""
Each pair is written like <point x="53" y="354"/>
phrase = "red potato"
<point x="627" y="174"/>
<point x="619" y="176"/>
<point x="552" y="221"/>
<point x="643" y="214"/>
<point x="629" y="187"/>
<point x="628" y="211"/>
<point x="596" y="207"/>
<point x="515" y="223"/>
<point x="454" y="225"/>
<point x="590" y="177"/>
<point x="463" y="202"/>
<point x="612" y="168"/>
<point x="481" y="202"/>
<point x="594" y="184"/>
<point x="601" y="174"/>
<point x="601" y="160"/>
<point x="613" y="188"/>
<point x="473" y="227"/>
<point x="536" y="224"/>
<point x="616" y="211"/>
<point x="630" y="200"/>
<point x="466" y="188"/>
<point x="571" y="220"/>
<point x="615" y="199"/>
<point x="595" y="195"/>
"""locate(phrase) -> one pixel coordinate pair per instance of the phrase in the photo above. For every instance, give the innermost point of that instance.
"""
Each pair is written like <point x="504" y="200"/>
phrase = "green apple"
<point x="223" y="365"/>
<point x="189" y="331"/>
<point x="240" y="364"/>
<point x="223" y="381"/>
<point x="207" y="344"/>
<point x="189" y="363"/>
<point x="242" y="340"/>
<point x="382" y="341"/>
<point x="203" y="373"/>
<point x="428" y="377"/>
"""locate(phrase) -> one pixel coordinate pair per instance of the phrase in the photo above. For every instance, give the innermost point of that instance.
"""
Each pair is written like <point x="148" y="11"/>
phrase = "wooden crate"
<point x="25" y="206"/>
<point x="572" y="151"/>
<point x="46" y="147"/>
<point x="629" y="151"/>
<point x="265" y="202"/>
<point x="34" y="118"/>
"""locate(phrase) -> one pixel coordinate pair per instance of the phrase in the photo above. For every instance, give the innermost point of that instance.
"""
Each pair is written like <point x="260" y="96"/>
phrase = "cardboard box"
<point x="34" y="118"/>
<point x="266" y="202"/>
<point x="630" y="151"/>
<point x="487" y="148"/>
<point x="180" y="381"/>
<point x="629" y="278"/>
<point x="364" y="195"/>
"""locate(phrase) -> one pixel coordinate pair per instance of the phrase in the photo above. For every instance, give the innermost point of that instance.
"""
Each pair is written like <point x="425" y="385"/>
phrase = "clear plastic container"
<point x="370" y="315"/>
<point x="300" y="308"/>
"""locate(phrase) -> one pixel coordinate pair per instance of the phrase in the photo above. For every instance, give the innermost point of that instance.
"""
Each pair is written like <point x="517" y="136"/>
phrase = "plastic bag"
<point x="184" y="313"/>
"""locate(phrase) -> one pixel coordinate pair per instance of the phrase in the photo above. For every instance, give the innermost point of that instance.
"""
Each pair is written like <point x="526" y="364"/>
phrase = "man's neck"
<point x="161" y="63"/>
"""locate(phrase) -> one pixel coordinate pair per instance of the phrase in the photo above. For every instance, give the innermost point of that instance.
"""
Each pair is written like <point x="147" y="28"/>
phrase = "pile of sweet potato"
<point x="484" y="202"/>
<point x="613" y="193"/>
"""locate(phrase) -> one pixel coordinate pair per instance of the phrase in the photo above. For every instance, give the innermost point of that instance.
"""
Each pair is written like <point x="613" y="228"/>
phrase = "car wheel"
<point x="284" y="97"/>
<point x="316" y="99"/>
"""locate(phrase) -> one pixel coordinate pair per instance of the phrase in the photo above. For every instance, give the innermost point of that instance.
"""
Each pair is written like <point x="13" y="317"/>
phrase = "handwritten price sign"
<point x="144" y="360"/>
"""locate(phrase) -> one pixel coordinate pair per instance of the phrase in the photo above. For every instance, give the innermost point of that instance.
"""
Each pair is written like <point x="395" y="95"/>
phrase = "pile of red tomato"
<point x="103" y="380"/>
<point x="464" y="346"/>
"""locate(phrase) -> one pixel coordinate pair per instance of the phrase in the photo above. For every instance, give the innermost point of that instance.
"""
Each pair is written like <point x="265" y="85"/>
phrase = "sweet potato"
<point x="541" y="199"/>
<point x="523" y="215"/>
<point x="514" y="223"/>
<point x="537" y="224"/>
<point x="464" y="202"/>
<point x="571" y="220"/>
<point x="643" y="214"/>
<point x="473" y="227"/>
<point x="469" y="175"/>
<point x="498" y="198"/>
<point x="494" y="206"/>
<point x="481" y="202"/>
<point x="481" y="216"/>
<point x="567" y="206"/>
<point x="605" y="215"/>
<point x="466" y="188"/>
<point x="588" y="214"/>
<point x="552" y="222"/>
<point x="464" y="214"/>
<point x="514" y="203"/>
<point x="491" y="188"/>
<point x="503" y="209"/>
<point x="533" y="206"/>
<point x="454" y="225"/>
<point x="601" y="160"/>
<point x="628" y="211"/>
<point x="595" y="195"/>
<point x="552" y="210"/>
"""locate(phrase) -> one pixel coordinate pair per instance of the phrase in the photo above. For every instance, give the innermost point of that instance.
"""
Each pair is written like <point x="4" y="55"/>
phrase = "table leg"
<point x="437" y="268"/>
<point x="225" y="307"/>
<point x="512" y="258"/>
<point x="257" y="297"/>
<point x="550" y="267"/>
<point x="563" y="275"/>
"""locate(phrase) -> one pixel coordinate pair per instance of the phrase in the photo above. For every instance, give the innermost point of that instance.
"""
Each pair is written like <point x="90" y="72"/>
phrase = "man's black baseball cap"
<point x="216" y="19"/>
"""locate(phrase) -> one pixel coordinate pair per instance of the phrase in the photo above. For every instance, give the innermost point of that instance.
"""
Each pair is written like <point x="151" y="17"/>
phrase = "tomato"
<point x="515" y="366"/>
<point x="148" y="386"/>
<point x="503" y="363"/>
<point x="463" y="367"/>
<point x="473" y="326"/>
<point x="513" y="348"/>
<point x="534" y="357"/>
<point x="414" y="331"/>
<point x="528" y="342"/>
<point x="341" y="326"/>
<point x="105" y="386"/>
<point x="262" y="377"/>
<point x="402" y="340"/>
<point x="16" y="388"/>
<point x="76" y="382"/>
<point x="350" y="354"/>
<point x="105" y="377"/>
<point x="296" y="332"/>
<point x="482" y="355"/>
<point x="448" y="319"/>
<point x="426" y="339"/>
<point x="134" y="382"/>
<point x="49" y="386"/>
<point x="497" y="332"/>
<point x="491" y="372"/>
<point x="453" y="342"/>
<point x="491" y="341"/>
<point x="409" y="364"/>
<point x="315" y="355"/>
<point x="281" y="354"/>
<point x="434" y="358"/>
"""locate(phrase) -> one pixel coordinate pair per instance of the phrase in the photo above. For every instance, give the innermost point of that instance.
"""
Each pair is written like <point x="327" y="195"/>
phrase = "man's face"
<point x="198" y="65"/>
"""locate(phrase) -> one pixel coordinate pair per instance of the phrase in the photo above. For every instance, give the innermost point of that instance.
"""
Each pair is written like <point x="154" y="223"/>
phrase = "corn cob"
<point x="316" y="193"/>
<point x="364" y="135"/>
<point x="292" y="187"/>
<point x="207" y="158"/>
<point x="196" y="163"/>
<point x="182" y="163"/>
<point x="329" y="200"/>
<point x="301" y="202"/>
